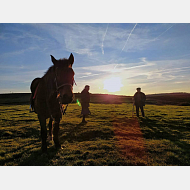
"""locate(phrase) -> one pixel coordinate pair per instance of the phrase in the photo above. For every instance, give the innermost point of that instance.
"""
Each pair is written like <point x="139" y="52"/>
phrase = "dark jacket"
<point x="139" y="98"/>
<point x="85" y="98"/>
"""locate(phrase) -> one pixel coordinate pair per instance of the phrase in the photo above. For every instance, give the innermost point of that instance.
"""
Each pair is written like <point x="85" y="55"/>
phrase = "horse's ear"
<point x="71" y="59"/>
<point x="53" y="59"/>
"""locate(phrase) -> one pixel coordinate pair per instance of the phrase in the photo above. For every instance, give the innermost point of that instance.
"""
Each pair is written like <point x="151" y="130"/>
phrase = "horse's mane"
<point x="52" y="68"/>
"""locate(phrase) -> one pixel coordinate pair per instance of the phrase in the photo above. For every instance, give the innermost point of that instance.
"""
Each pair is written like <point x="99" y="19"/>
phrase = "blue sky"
<point x="155" y="57"/>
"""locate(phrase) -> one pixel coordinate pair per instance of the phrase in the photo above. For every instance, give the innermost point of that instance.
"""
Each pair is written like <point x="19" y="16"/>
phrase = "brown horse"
<point x="49" y="93"/>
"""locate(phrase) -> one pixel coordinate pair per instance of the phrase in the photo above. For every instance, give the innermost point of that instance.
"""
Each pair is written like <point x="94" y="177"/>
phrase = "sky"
<point x="113" y="58"/>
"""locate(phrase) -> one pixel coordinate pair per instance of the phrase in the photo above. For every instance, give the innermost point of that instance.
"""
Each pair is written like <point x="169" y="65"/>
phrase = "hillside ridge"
<point x="181" y="98"/>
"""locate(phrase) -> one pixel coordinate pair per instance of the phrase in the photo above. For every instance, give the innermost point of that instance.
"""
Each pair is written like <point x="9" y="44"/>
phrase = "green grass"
<point x="167" y="135"/>
<point x="111" y="137"/>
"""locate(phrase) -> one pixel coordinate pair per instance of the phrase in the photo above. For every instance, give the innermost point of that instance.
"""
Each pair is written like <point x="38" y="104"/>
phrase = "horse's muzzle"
<point x="65" y="99"/>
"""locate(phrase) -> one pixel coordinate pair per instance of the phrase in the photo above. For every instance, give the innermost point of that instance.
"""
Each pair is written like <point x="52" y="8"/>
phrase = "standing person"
<point x="139" y="101"/>
<point x="85" y="100"/>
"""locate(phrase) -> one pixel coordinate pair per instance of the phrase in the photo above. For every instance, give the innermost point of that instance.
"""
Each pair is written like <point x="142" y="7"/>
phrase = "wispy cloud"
<point x="22" y="76"/>
<point x="102" y="47"/>
<point x="154" y="70"/>
<point x="108" y="68"/>
<point x="186" y="55"/>
<point x="88" y="75"/>
<point x="82" y="39"/>
<point x="18" y="52"/>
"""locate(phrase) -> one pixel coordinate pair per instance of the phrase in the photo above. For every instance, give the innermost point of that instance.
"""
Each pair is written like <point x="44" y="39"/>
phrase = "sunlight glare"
<point x="113" y="84"/>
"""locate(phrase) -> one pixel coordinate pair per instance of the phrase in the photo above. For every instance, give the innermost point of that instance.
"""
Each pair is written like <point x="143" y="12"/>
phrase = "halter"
<point x="63" y="111"/>
<point x="65" y="84"/>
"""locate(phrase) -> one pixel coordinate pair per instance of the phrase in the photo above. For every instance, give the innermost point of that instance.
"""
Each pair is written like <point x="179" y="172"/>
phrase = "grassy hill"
<point x="181" y="99"/>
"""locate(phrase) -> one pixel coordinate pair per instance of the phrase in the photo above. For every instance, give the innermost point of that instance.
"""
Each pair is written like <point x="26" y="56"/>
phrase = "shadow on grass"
<point x="82" y="132"/>
<point x="37" y="158"/>
<point x="29" y="152"/>
<point x="23" y="132"/>
<point x="173" y="131"/>
<point x="32" y="156"/>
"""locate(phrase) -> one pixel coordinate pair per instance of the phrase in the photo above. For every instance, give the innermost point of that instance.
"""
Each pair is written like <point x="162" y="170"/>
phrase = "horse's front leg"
<point x="50" y="129"/>
<point x="42" y="120"/>
<point x="56" y="132"/>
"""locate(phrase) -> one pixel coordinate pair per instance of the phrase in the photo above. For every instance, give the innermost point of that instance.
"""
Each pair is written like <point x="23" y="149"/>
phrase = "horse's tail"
<point x="33" y="86"/>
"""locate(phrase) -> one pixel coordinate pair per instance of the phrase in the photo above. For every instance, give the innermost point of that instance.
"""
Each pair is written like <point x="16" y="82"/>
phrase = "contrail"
<point x="102" y="47"/>
<point x="129" y="37"/>
<point x="163" y="32"/>
<point x="127" y="41"/>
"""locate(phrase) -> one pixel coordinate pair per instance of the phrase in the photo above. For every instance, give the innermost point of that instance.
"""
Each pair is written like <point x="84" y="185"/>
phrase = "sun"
<point x="113" y="84"/>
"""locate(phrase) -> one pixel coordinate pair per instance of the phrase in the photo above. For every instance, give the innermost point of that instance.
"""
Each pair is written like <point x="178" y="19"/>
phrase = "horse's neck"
<point x="49" y="79"/>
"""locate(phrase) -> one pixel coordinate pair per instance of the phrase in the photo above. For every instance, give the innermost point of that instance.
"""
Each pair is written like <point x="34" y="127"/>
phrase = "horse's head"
<point x="64" y="78"/>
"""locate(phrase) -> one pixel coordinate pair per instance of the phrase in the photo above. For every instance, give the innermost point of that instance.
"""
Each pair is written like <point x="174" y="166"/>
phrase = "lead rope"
<point x="63" y="111"/>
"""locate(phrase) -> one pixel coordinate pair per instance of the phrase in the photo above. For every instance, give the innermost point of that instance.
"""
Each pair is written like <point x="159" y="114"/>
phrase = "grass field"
<point x="111" y="137"/>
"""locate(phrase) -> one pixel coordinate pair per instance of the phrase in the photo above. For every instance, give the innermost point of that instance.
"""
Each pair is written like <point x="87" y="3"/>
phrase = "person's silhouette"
<point x="139" y="101"/>
<point x="85" y="100"/>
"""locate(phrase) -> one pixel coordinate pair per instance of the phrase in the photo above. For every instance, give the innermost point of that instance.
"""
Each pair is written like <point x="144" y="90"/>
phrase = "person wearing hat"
<point x="85" y="100"/>
<point x="139" y="101"/>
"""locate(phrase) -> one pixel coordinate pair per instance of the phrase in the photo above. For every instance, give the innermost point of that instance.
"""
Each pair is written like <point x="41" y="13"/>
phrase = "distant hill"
<point x="182" y="99"/>
<point x="107" y="98"/>
<point x="15" y="98"/>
